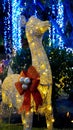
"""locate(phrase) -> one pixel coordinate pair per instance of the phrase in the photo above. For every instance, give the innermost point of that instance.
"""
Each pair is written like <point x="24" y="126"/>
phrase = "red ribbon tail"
<point x="37" y="98"/>
<point x="27" y="102"/>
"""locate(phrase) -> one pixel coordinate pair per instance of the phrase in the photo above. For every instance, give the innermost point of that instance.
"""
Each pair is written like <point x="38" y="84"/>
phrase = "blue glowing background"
<point x="58" y="12"/>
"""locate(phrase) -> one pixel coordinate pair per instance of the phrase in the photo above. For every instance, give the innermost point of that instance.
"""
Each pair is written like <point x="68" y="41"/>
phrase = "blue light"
<point x="4" y="5"/>
<point x="53" y="28"/>
<point x="69" y="50"/>
<point x="7" y="27"/>
<point x="5" y="34"/>
<point x="60" y="21"/>
<point x="16" y="29"/>
<point x="57" y="27"/>
<point x="35" y="13"/>
<point x="34" y="1"/>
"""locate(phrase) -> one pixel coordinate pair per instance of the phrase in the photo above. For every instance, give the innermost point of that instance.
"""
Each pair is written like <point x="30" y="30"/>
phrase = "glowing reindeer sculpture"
<point x="35" y="29"/>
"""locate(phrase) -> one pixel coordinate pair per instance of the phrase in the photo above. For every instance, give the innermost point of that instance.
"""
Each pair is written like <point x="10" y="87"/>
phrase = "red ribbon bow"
<point x="32" y="89"/>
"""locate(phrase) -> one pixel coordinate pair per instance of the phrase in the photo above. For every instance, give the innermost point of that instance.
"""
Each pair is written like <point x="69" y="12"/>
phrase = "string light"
<point x="49" y="37"/>
<point x="69" y="50"/>
<point x="53" y="28"/>
<point x="4" y="3"/>
<point x="7" y="27"/>
<point x="34" y="1"/>
<point x="35" y="13"/>
<point x="60" y="21"/>
<point x="58" y="11"/>
<point x="16" y="29"/>
<point x="5" y="33"/>
<point x="49" y="30"/>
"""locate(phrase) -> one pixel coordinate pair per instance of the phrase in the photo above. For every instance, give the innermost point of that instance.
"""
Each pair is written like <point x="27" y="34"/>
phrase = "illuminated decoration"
<point x="49" y="39"/>
<point x="16" y="28"/>
<point x="60" y="21"/>
<point x="69" y="50"/>
<point x="4" y="3"/>
<point x="57" y="24"/>
<point x="39" y="59"/>
<point x="67" y="6"/>
<point x="35" y="29"/>
<point x="68" y="11"/>
<point x="53" y="28"/>
<point x="32" y="89"/>
<point x="5" y="33"/>
<point x="7" y="27"/>
<point x="34" y="1"/>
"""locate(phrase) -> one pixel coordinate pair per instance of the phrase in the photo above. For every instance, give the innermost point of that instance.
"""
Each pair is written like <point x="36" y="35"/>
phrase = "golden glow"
<point x="53" y="120"/>
<point x="33" y="44"/>
<point x="49" y="108"/>
<point x="71" y="121"/>
<point x="68" y="114"/>
<point x="44" y="73"/>
<point x="27" y="113"/>
<point x="43" y="66"/>
<point x="10" y="105"/>
<point x="23" y="120"/>
<point x="31" y="31"/>
<point x="41" y="29"/>
<point x="48" y="124"/>
<point x="37" y="27"/>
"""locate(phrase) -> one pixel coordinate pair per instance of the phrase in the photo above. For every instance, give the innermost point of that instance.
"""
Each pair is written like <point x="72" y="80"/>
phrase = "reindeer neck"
<point x="39" y="59"/>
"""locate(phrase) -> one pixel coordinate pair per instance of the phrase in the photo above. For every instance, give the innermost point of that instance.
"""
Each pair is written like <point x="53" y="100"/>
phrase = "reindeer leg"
<point x="49" y="119"/>
<point x="27" y="120"/>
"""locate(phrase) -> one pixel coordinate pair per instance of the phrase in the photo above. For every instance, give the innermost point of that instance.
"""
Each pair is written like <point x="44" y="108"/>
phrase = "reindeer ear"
<point x="22" y="20"/>
<point x="9" y="71"/>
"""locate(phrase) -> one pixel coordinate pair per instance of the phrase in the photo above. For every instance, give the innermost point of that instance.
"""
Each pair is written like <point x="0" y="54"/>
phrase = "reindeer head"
<point x="36" y="27"/>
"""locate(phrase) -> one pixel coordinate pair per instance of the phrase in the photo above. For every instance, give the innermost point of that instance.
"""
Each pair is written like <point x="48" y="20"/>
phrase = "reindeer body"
<point x="35" y="29"/>
<point x="10" y="95"/>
